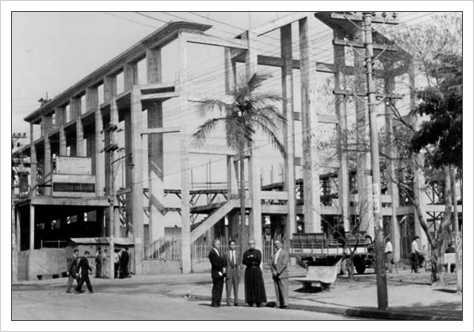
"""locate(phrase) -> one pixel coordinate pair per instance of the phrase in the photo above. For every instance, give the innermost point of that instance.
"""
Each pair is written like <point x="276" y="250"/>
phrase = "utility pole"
<point x="366" y="21"/>
<point x="382" y="296"/>
<point x="15" y="137"/>
<point x="458" y="239"/>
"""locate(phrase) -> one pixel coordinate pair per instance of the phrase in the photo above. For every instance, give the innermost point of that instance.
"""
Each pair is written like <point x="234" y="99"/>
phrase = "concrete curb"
<point x="348" y="312"/>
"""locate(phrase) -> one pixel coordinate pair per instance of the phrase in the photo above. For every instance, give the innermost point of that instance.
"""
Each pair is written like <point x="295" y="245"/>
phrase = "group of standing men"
<point x="226" y="268"/>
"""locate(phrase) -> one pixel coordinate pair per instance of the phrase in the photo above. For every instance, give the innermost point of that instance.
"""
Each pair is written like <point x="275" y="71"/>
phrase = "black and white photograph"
<point x="236" y="166"/>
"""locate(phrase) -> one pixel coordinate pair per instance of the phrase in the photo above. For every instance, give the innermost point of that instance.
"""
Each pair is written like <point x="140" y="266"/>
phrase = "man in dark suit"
<point x="84" y="268"/>
<point x="218" y="264"/>
<point x="72" y="270"/>
<point x="279" y="268"/>
<point x="232" y="273"/>
<point x="124" y="259"/>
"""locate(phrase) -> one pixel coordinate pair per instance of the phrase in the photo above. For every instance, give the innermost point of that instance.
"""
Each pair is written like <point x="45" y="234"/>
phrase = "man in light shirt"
<point x="388" y="254"/>
<point x="279" y="268"/>
<point x="232" y="273"/>
<point x="415" y="255"/>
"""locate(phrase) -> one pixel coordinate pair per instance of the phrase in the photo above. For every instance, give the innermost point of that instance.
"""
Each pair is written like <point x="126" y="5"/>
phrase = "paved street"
<point x="50" y="302"/>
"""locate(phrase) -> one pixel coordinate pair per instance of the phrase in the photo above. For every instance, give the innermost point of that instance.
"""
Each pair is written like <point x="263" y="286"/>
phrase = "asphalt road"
<point x="50" y="302"/>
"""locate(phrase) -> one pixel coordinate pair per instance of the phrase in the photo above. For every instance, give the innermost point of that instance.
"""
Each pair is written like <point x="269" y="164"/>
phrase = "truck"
<point x="317" y="249"/>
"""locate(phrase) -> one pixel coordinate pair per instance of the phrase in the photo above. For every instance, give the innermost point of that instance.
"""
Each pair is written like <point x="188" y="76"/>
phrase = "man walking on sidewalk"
<point x="83" y="267"/>
<point x="279" y="268"/>
<point x="232" y="273"/>
<point x="72" y="270"/>
<point x="218" y="263"/>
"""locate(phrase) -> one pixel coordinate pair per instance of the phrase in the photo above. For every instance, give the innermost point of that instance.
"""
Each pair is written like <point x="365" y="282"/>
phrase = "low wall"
<point x="41" y="264"/>
<point x="151" y="267"/>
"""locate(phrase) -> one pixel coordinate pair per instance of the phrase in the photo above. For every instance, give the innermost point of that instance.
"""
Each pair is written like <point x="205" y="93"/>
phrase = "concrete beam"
<point x="274" y="195"/>
<point x="162" y="130"/>
<point x="213" y="219"/>
<point x="278" y="23"/>
<point x="214" y="41"/>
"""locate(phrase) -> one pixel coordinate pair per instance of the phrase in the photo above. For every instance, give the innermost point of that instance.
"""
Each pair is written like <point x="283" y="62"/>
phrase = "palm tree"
<point x="247" y="112"/>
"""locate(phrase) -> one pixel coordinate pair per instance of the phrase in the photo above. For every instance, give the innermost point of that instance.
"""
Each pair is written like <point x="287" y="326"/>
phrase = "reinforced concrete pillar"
<point x="341" y="113"/>
<point x="364" y="178"/>
<point x="134" y="132"/>
<point x="184" y="157"/>
<point x="92" y="105"/>
<point x="418" y="162"/>
<point x="156" y="201"/>
<point x="47" y="164"/>
<point x="130" y="75"/>
<point x="309" y="117"/>
<point x="32" y="227"/>
<point x="33" y="162"/>
<point x="392" y="171"/>
<point x="289" y="128"/>
<point x="255" y="217"/>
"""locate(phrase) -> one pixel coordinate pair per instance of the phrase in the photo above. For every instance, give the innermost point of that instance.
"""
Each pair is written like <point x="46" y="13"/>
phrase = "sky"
<point x="50" y="51"/>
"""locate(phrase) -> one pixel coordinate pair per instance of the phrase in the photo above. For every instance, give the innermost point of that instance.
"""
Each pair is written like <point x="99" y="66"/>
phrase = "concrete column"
<point x="156" y="173"/>
<point x="392" y="167"/>
<point x="309" y="117"/>
<point x="92" y="105"/>
<point x="230" y="70"/>
<point x="75" y="106"/>
<point x="153" y="64"/>
<point x="114" y="117"/>
<point x="60" y="115"/>
<point x="418" y="162"/>
<point x="289" y="129"/>
<point x="255" y="217"/>
<point x="184" y="158"/>
<point x="136" y="126"/>
<point x="110" y="87"/>
<point x="130" y="75"/>
<point x="364" y="179"/>
<point x="341" y="113"/>
<point x="47" y="166"/>
<point x="32" y="227"/>
<point x="33" y="162"/>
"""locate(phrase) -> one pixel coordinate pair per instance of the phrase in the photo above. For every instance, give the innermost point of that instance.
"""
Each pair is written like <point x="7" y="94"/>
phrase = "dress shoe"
<point x="214" y="306"/>
<point x="284" y="307"/>
<point x="236" y="304"/>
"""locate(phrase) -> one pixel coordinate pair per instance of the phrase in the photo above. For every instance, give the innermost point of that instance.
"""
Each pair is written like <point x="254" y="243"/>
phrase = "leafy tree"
<point x="247" y="113"/>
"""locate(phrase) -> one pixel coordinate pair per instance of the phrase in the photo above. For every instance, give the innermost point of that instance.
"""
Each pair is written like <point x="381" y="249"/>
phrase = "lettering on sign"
<point x="74" y="187"/>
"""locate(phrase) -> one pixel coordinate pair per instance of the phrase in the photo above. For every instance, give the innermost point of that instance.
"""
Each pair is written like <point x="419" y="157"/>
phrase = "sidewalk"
<point x="410" y="295"/>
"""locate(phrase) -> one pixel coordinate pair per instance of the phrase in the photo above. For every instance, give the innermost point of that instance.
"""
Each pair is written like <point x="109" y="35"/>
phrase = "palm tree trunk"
<point x="242" y="204"/>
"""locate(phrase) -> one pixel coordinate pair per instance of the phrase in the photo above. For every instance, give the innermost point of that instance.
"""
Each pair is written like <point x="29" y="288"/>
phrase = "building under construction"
<point x="115" y="156"/>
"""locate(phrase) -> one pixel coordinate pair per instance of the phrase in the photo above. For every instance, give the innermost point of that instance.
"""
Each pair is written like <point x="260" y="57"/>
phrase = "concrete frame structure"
<point x="71" y="130"/>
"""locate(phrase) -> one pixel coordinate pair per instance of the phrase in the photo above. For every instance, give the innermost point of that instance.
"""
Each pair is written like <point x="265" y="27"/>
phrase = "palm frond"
<point x="205" y="129"/>
<point x="275" y="141"/>
<point x="208" y="105"/>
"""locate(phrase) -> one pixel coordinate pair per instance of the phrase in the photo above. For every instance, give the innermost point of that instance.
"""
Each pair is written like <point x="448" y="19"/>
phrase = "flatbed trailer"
<point x="316" y="249"/>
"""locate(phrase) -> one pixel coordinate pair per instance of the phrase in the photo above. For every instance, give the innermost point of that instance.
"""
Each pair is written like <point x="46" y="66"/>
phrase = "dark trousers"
<point x="116" y="268"/>
<point x="84" y="278"/>
<point x="124" y="271"/>
<point x="217" y="288"/>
